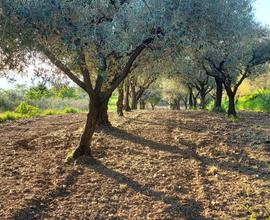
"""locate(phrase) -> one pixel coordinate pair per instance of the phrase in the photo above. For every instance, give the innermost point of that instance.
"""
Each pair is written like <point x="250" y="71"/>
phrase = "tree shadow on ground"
<point x="172" y="124"/>
<point x="121" y="134"/>
<point x="190" y="151"/>
<point x="37" y="208"/>
<point x="190" y="210"/>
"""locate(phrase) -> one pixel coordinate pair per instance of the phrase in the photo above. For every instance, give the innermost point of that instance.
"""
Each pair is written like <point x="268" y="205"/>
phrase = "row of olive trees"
<point x="95" y="43"/>
<point x="222" y="47"/>
<point x="229" y="49"/>
<point x="99" y="43"/>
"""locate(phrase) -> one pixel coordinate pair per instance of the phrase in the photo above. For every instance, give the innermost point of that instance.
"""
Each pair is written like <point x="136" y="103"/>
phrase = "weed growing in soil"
<point x="233" y="119"/>
<point x="70" y="156"/>
<point x="249" y="210"/>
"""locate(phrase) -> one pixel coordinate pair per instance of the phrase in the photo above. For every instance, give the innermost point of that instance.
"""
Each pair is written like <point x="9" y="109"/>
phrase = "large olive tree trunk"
<point x="89" y="129"/>
<point x="102" y="114"/>
<point x="231" y="95"/>
<point x="219" y="91"/>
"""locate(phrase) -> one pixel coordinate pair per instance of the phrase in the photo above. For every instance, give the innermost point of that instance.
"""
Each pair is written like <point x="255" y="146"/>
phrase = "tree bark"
<point x="142" y="104"/>
<point x="231" y="95"/>
<point x="177" y="104"/>
<point x="120" y="100"/>
<point x="102" y="117"/>
<point x="194" y="102"/>
<point x="219" y="91"/>
<point x="185" y="101"/>
<point x="190" y="98"/>
<point x="89" y="129"/>
<point x="203" y="101"/>
<point x="133" y="96"/>
<point x="126" y="99"/>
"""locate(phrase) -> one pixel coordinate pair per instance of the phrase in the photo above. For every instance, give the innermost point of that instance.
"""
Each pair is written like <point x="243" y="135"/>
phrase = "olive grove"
<point x="123" y="45"/>
<point x="94" y="43"/>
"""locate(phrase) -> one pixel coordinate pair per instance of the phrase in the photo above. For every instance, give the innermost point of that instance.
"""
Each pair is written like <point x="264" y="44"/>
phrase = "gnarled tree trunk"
<point x="231" y="95"/>
<point x="102" y="117"/>
<point x="219" y="91"/>
<point x="177" y="103"/>
<point x="120" y="100"/>
<point x="191" y="104"/>
<point x="142" y="104"/>
<point x="203" y="101"/>
<point x="89" y="129"/>
<point x="126" y="98"/>
<point x="133" y="96"/>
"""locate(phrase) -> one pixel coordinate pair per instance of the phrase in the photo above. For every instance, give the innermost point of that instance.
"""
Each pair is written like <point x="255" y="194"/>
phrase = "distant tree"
<point x="36" y="93"/>
<point x="174" y="91"/>
<point x="153" y="98"/>
<point x="65" y="91"/>
<point x="229" y="46"/>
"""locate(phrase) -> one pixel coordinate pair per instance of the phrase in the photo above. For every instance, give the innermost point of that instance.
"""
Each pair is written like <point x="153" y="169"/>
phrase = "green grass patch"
<point x="9" y="116"/>
<point x="233" y="119"/>
<point x="70" y="156"/>
<point x="112" y="103"/>
<point x="51" y="112"/>
<point x="258" y="101"/>
<point x="24" y="110"/>
<point x="71" y="110"/>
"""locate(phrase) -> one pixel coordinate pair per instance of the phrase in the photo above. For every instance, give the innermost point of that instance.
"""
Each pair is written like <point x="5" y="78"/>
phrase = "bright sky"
<point x="262" y="12"/>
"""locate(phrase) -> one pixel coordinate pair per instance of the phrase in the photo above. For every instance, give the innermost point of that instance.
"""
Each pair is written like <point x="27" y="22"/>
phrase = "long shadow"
<point x="190" y="210"/>
<point x="190" y="152"/>
<point x="37" y="208"/>
<point x="121" y="134"/>
<point x="173" y="122"/>
<point x="238" y="167"/>
<point x="191" y="126"/>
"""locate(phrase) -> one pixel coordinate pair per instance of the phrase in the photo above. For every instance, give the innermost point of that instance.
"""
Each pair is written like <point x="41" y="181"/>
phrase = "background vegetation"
<point x="40" y="100"/>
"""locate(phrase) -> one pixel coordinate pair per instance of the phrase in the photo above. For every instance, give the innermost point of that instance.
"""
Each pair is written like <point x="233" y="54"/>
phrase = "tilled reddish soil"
<point x="151" y="165"/>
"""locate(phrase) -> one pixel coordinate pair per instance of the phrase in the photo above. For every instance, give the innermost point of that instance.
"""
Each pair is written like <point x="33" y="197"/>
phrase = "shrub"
<point x="27" y="109"/>
<point x="36" y="93"/>
<point x="8" y="116"/>
<point x="59" y="103"/>
<point x="71" y="110"/>
<point x="51" y="112"/>
<point x="9" y="99"/>
<point x="65" y="92"/>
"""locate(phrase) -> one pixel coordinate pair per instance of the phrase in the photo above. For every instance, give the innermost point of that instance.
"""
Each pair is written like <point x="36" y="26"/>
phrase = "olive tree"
<point x="231" y="46"/>
<point x="94" y="43"/>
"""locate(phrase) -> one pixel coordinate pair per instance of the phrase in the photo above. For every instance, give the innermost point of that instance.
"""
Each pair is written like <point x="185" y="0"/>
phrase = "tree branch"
<point x="85" y="72"/>
<point x="62" y="67"/>
<point x="134" y="54"/>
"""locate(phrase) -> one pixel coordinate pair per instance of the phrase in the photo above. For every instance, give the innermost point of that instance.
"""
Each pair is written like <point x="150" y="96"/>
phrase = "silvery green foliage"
<point x="229" y="40"/>
<point x="106" y="30"/>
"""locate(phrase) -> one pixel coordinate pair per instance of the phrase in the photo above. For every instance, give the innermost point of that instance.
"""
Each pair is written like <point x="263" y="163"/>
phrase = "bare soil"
<point x="151" y="165"/>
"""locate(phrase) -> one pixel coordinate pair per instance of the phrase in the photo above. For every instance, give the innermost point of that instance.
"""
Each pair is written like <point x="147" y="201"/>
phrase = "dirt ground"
<point x="152" y="165"/>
